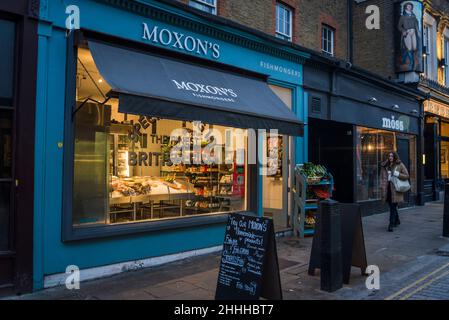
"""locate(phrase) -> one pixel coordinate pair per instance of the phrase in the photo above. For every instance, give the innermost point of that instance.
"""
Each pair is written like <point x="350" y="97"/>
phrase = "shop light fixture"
<point x="424" y="51"/>
<point x="372" y="99"/>
<point x="100" y="80"/>
<point x="414" y="111"/>
<point x="395" y="106"/>
<point x="443" y="63"/>
<point x="424" y="159"/>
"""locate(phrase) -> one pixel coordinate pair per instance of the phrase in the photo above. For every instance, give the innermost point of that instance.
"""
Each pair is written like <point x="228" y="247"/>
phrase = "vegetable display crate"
<point x="308" y="191"/>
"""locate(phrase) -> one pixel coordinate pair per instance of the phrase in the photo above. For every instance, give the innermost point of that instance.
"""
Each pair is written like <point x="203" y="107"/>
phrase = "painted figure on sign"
<point x="410" y="37"/>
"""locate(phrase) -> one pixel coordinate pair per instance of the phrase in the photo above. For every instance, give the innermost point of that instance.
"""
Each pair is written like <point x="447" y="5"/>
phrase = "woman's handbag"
<point x="400" y="185"/>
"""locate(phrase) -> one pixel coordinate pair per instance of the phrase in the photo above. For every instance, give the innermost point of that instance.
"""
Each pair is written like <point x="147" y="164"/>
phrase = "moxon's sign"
<point x="180" y="41"/>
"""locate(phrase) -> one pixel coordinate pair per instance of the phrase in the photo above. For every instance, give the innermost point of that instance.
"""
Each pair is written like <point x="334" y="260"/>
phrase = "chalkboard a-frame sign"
<point x="249" y="266"/>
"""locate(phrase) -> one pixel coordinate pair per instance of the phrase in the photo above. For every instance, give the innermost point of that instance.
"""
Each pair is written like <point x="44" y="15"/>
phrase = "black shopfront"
<point x="436" y="142"/>
<point x="355" y="119"/>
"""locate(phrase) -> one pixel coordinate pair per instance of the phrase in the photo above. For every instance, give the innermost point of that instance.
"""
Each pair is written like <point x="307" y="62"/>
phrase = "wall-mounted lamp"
<point x="372" y="99"/>
<point x="424" y="51"/>
<point x="443" y="63"/>
<point x="414" y="111"/>
<point x="424" y="159"/>
<point x="395" y="106"/>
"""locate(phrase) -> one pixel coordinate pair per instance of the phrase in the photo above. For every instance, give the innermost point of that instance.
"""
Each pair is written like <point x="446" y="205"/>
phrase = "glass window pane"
<point x="372" y="147"/>
<point x="126" y="176"/>
<point x="5" y="203"/>
<point x="444" y="159"/>
<point x="7" y="40"/>
<point x="444" y="129"/>
<point x="205" y="5"/>
<point x="6" y="118"/>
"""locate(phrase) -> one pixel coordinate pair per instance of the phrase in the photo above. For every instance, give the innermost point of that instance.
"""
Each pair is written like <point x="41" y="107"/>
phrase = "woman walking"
<point x="393" y="168"/>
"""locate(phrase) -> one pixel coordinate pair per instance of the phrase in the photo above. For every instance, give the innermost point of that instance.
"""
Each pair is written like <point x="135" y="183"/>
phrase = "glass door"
<point x="7" y="39"/>
<point x="276" y="182"/>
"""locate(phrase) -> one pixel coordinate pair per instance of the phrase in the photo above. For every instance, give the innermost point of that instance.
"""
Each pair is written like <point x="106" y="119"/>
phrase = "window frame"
<point x="279" y="34"/>
<point x="69" y="232"/>
<point x="330" y="43"/>
<point x="430" y="39"/>
<point x="11" y="105"/>
<point x="446" y="58"/>
<point x="204" y="3"/>
<point x="426" y="41"/>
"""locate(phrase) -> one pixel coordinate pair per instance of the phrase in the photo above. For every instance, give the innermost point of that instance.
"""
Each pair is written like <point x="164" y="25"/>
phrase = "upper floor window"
<point x="427" y="47"/>
<point x="430" y="47"/>
<point x="283" y="22"/>
<point x="327" y="40"/>
<point x="446" y="58"/>
<point x="205" y="5"/>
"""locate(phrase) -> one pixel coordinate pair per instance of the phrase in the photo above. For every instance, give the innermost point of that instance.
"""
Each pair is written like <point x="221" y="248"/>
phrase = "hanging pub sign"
<point x="409" y="36"/>
<point x="249" y="266"/>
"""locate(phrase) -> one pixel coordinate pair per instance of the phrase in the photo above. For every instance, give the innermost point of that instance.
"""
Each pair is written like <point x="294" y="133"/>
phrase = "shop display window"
<point x="131" y="168"/>
<point x="372" y="148"/>
<point x="444" y="129"/>
<point x="444" y="159"/>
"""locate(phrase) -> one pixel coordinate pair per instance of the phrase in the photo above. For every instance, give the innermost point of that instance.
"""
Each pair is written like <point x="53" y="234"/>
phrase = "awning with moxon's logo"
<point x="163" y="87"/>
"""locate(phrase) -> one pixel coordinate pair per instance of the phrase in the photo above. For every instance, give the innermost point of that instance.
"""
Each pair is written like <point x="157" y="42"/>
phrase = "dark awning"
<point x="167" y="88"/>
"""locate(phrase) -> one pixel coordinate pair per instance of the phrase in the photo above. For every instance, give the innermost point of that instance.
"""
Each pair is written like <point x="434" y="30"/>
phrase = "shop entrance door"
<point x="7" y="253"/>
<point x="276" y="191"/>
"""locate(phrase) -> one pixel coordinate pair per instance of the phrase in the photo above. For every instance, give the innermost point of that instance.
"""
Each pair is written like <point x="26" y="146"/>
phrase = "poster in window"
<point x="409" y="48"/>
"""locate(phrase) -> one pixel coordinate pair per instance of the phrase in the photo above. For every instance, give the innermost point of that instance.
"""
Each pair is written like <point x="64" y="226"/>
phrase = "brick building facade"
<point x="308" y="18"/>
<point x="373" y="49"/>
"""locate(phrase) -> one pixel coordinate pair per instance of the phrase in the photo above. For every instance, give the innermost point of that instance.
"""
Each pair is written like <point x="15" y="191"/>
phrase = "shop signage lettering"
<point x="146" y="159"/>
<point x="180" y="41"/>
<point x="436" y="108"/>
<point x="391" y="123"/>
<point x="281" y="69"/>
<point x="198" y="89"/>
<point x="143" y="123"/>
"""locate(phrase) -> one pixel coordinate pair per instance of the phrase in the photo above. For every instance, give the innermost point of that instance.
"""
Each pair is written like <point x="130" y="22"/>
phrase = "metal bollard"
<point x="446" y="211"/>
<point x="331" y="269"/>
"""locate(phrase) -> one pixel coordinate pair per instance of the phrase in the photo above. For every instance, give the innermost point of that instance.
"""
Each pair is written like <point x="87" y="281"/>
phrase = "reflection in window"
<point x="124" y="165"/>
<point x="372" y="146"/>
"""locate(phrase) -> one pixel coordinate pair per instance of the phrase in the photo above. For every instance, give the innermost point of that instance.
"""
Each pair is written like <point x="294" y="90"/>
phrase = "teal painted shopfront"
<point x="115" y="99"/>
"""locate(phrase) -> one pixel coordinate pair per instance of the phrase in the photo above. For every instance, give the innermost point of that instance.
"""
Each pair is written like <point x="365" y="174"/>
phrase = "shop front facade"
<point x="436" y="137"/>
<point x="18" y="58"/>
<point x="152" y="127"/>
<point x="355" y="119"/>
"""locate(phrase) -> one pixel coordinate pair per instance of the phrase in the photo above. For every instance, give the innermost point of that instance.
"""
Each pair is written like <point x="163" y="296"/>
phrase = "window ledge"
<point x="108" y="231"/>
